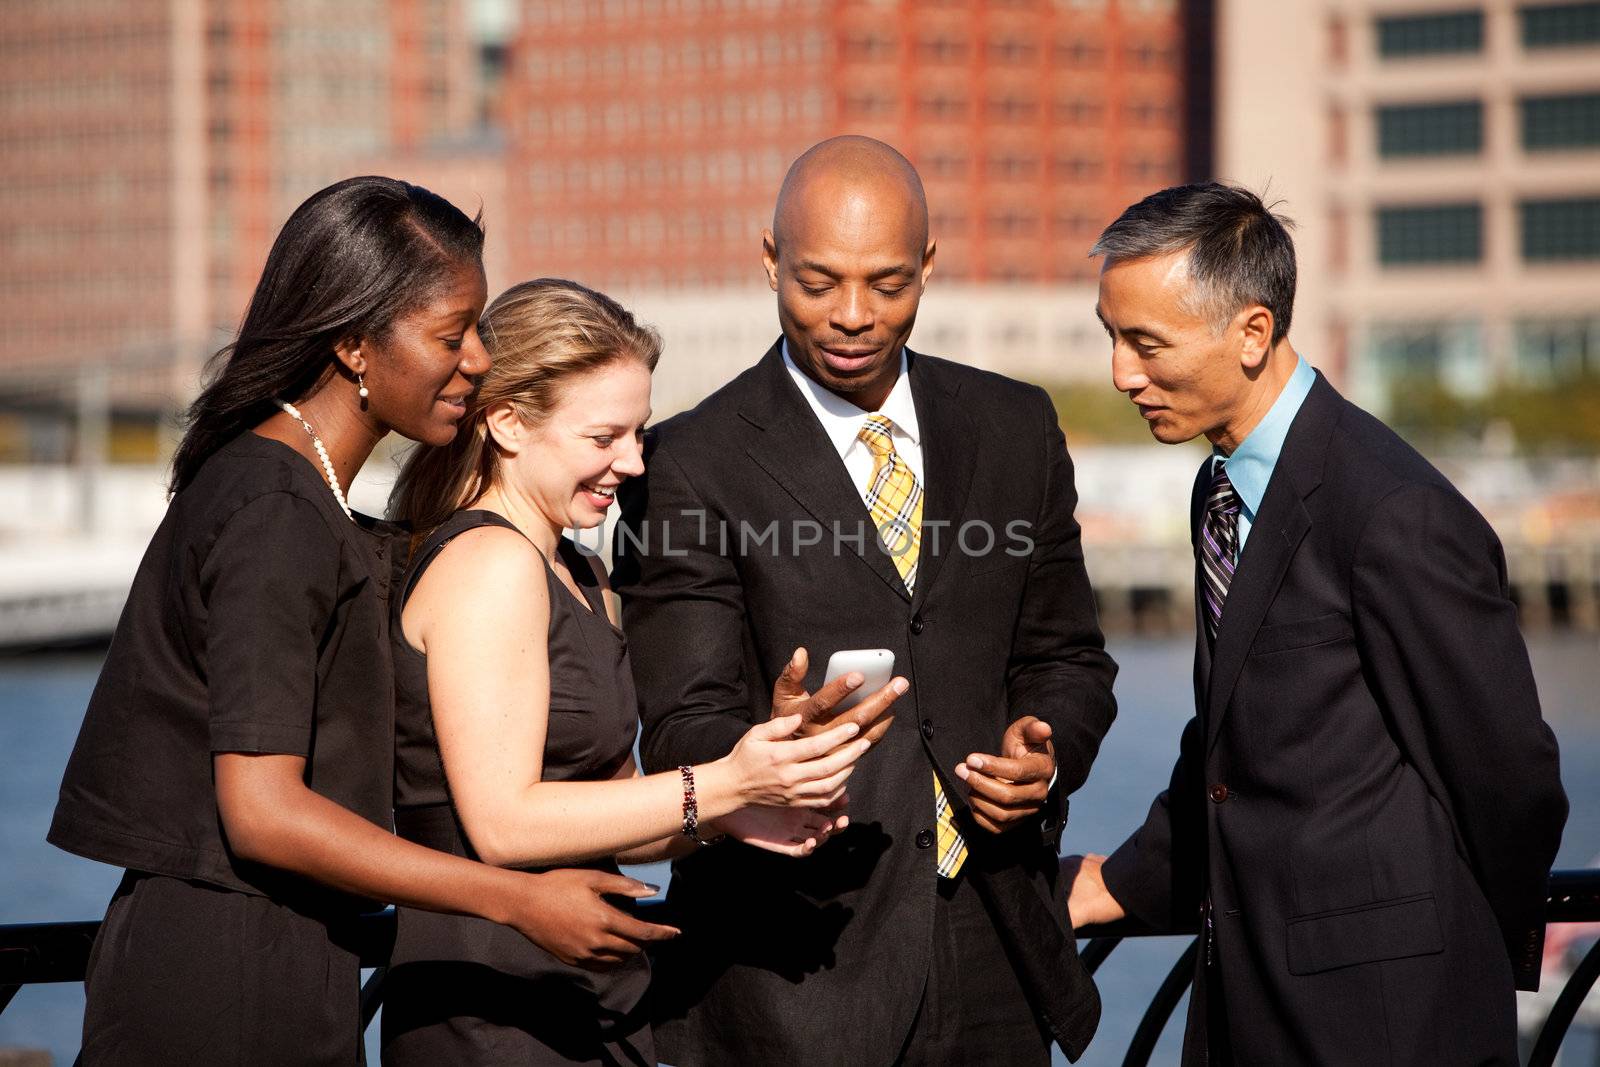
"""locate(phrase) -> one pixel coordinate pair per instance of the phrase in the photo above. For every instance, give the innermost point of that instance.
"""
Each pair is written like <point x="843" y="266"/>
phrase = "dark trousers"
<point x="973" y="1009"/>
<point x="186" y="973"/>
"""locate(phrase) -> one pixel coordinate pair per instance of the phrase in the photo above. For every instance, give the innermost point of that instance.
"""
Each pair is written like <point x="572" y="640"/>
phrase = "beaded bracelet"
<point x="691" y="810"/>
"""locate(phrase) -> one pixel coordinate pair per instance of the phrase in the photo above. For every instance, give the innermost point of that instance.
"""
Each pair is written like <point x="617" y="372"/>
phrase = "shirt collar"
<point x="1251" y="465"/>
<point x="842" y="420"/>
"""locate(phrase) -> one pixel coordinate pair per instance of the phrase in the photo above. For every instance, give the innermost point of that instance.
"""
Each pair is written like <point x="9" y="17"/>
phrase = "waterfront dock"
<point x="72" y="541"/>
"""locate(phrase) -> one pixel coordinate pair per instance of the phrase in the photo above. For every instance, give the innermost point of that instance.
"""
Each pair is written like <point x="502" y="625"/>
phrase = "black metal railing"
<point x="33" y="953"/>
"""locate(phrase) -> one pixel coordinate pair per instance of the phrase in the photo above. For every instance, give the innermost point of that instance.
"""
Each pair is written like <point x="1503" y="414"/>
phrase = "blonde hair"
<point x="539" y="334"/>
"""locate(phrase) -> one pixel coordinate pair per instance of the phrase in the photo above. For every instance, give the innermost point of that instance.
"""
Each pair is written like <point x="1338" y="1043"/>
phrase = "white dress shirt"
<point x="842" y="421"/>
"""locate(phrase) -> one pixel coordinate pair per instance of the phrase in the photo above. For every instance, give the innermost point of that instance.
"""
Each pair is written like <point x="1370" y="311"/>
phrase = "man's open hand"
<point x="1011" y="787"/>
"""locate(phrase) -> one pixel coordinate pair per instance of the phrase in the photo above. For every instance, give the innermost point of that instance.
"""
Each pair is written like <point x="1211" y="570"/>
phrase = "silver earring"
<point x="362" y="384"/>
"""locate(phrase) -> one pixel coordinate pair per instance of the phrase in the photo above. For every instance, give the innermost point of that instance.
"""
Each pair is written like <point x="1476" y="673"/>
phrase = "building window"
<point x="1560" y="25"/>
<point x="1013" y="108"/>
<point x="1012" y="50"/>
<point x="1079" y="54"/>
<point x="1561" y="229"/>
<point x="1428" y="35"/>
<point x="1450" y="353"/>
<point x="1079" y="110"/>
<point x="1149" y="113"/>
<point x="1014" y="167"/>
<point x="1148" y="170"/>
<point x="1561" y="121"/>
<point x="1442" y="233"/>
<point x="1012" y="223"/>
<point x="942" y="105"/>
<point x="1080" y="167"/>
<point x="1075" y="224"/>
<point x="1430" y="129"/>
<point x="868" y="104"/>
<point x="1557" y="350"/>
<point x="868" y="48"/>
<point x="1145" y="55"/>
<point x="942" y="50"/>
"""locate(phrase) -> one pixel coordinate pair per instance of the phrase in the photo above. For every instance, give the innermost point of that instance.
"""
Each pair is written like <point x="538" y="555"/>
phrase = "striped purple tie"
<point x="1219" y="547"/>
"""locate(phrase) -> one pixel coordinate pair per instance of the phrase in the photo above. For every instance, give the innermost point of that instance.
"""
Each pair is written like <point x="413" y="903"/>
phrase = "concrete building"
<point x="150" y="151"/>
<point x="1442" y="158"/>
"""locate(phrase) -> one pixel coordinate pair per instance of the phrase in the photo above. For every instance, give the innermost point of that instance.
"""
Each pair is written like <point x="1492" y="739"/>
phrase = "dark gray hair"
<point x="1240" y="252"/>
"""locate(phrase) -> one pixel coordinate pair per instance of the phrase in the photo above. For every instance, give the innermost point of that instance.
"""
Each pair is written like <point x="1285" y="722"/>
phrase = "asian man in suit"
<point x="1367" y="803"/>
<point x="846" y="492"/>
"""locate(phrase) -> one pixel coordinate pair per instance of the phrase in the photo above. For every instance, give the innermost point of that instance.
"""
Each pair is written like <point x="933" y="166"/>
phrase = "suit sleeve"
<point x="1059" y="669"/>
<point x="1158" y="874"/>
<point x="1438" y="633"/>
<point x="683" y="613"/>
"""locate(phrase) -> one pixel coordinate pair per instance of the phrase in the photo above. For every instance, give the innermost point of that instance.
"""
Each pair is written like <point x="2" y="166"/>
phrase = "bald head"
<point x="852" y="172"/>
<point x="848" y="255"/>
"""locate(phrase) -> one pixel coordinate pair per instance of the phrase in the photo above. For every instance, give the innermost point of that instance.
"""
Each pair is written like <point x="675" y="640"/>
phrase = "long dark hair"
<point x="349" y="261"/>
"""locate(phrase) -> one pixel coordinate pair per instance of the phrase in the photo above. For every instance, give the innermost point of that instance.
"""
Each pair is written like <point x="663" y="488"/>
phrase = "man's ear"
<point x="348" y="352"/>
<point x="1256" y="326"/>
<point x="506" y="429"/>
<point x="769" y="258"/>
<point x="927" y="259"/>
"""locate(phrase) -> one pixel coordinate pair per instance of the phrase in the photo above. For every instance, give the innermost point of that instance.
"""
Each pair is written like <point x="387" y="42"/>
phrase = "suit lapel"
<point x="948" y="457"/>
<point x="793" y="449"/>
<point x="1279" y="527"/>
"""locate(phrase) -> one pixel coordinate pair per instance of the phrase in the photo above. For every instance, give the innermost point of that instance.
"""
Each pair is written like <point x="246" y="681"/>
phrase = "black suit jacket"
<point x="1367" y="793"/>
<point x="823" y="959"/>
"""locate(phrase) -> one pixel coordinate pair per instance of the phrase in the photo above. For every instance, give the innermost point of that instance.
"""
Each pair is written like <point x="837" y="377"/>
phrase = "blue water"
<point x="42" y="698"/>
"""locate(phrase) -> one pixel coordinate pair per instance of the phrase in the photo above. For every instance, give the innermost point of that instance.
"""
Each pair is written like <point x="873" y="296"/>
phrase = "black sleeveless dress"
<point x="464" y="990"/>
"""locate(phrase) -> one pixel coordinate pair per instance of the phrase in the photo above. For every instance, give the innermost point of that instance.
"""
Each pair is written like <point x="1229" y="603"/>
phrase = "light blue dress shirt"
<point x="1250" y="466"/>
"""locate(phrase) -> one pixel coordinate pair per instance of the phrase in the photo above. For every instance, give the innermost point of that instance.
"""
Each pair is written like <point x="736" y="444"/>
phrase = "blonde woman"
<point x="516" y="713"/>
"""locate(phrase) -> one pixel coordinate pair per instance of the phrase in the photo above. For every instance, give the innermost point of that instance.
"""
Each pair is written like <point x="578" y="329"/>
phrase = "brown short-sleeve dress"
<point x="257" y="622"/>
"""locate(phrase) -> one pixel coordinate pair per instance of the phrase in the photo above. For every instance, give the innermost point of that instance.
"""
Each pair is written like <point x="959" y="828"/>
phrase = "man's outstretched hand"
<point x="816" y="710"/>
<point x="1011" y="787"/>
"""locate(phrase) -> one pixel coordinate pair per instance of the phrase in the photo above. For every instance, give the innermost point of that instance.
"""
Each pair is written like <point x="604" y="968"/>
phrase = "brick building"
<point x="646" y="138"/>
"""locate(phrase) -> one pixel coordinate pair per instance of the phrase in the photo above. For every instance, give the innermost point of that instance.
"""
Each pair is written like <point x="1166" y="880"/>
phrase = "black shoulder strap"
<point x="447" y="531"/>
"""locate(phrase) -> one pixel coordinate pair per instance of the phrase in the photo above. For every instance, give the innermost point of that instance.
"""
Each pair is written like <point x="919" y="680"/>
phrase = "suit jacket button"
<point x="927" y="728"/>
<point x="916" y="624"/>
<point x="1218" y="793"/>
<point x="924" y="838"/>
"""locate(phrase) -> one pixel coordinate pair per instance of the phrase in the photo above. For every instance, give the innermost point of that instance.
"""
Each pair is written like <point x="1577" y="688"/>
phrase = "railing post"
<point x="1560" y="1018"/>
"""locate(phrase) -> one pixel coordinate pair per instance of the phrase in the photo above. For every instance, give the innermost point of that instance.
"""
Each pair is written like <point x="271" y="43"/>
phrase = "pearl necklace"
<point x="322" y="453"/>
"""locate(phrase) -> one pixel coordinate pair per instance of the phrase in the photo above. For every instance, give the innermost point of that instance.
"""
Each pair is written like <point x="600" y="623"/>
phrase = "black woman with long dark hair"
<point x="236" y="756"/>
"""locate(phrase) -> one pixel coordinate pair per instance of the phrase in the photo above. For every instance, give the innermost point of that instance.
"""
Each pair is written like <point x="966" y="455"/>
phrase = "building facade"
<point x="647" y="139"/>
<point x="150" y="151"/>
<point x="1443" y="160"/>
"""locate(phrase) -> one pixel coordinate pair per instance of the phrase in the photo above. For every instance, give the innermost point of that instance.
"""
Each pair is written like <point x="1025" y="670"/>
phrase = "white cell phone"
<point x="875" y="664"/>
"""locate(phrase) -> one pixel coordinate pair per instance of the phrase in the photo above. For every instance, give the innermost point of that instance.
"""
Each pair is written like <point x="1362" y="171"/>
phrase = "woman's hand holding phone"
<point x="775" y="766"/>
<point x="787" y="775"/>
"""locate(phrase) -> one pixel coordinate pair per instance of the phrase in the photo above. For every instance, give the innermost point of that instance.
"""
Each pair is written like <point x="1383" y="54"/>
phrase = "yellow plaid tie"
<point x="894" y="500"/>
